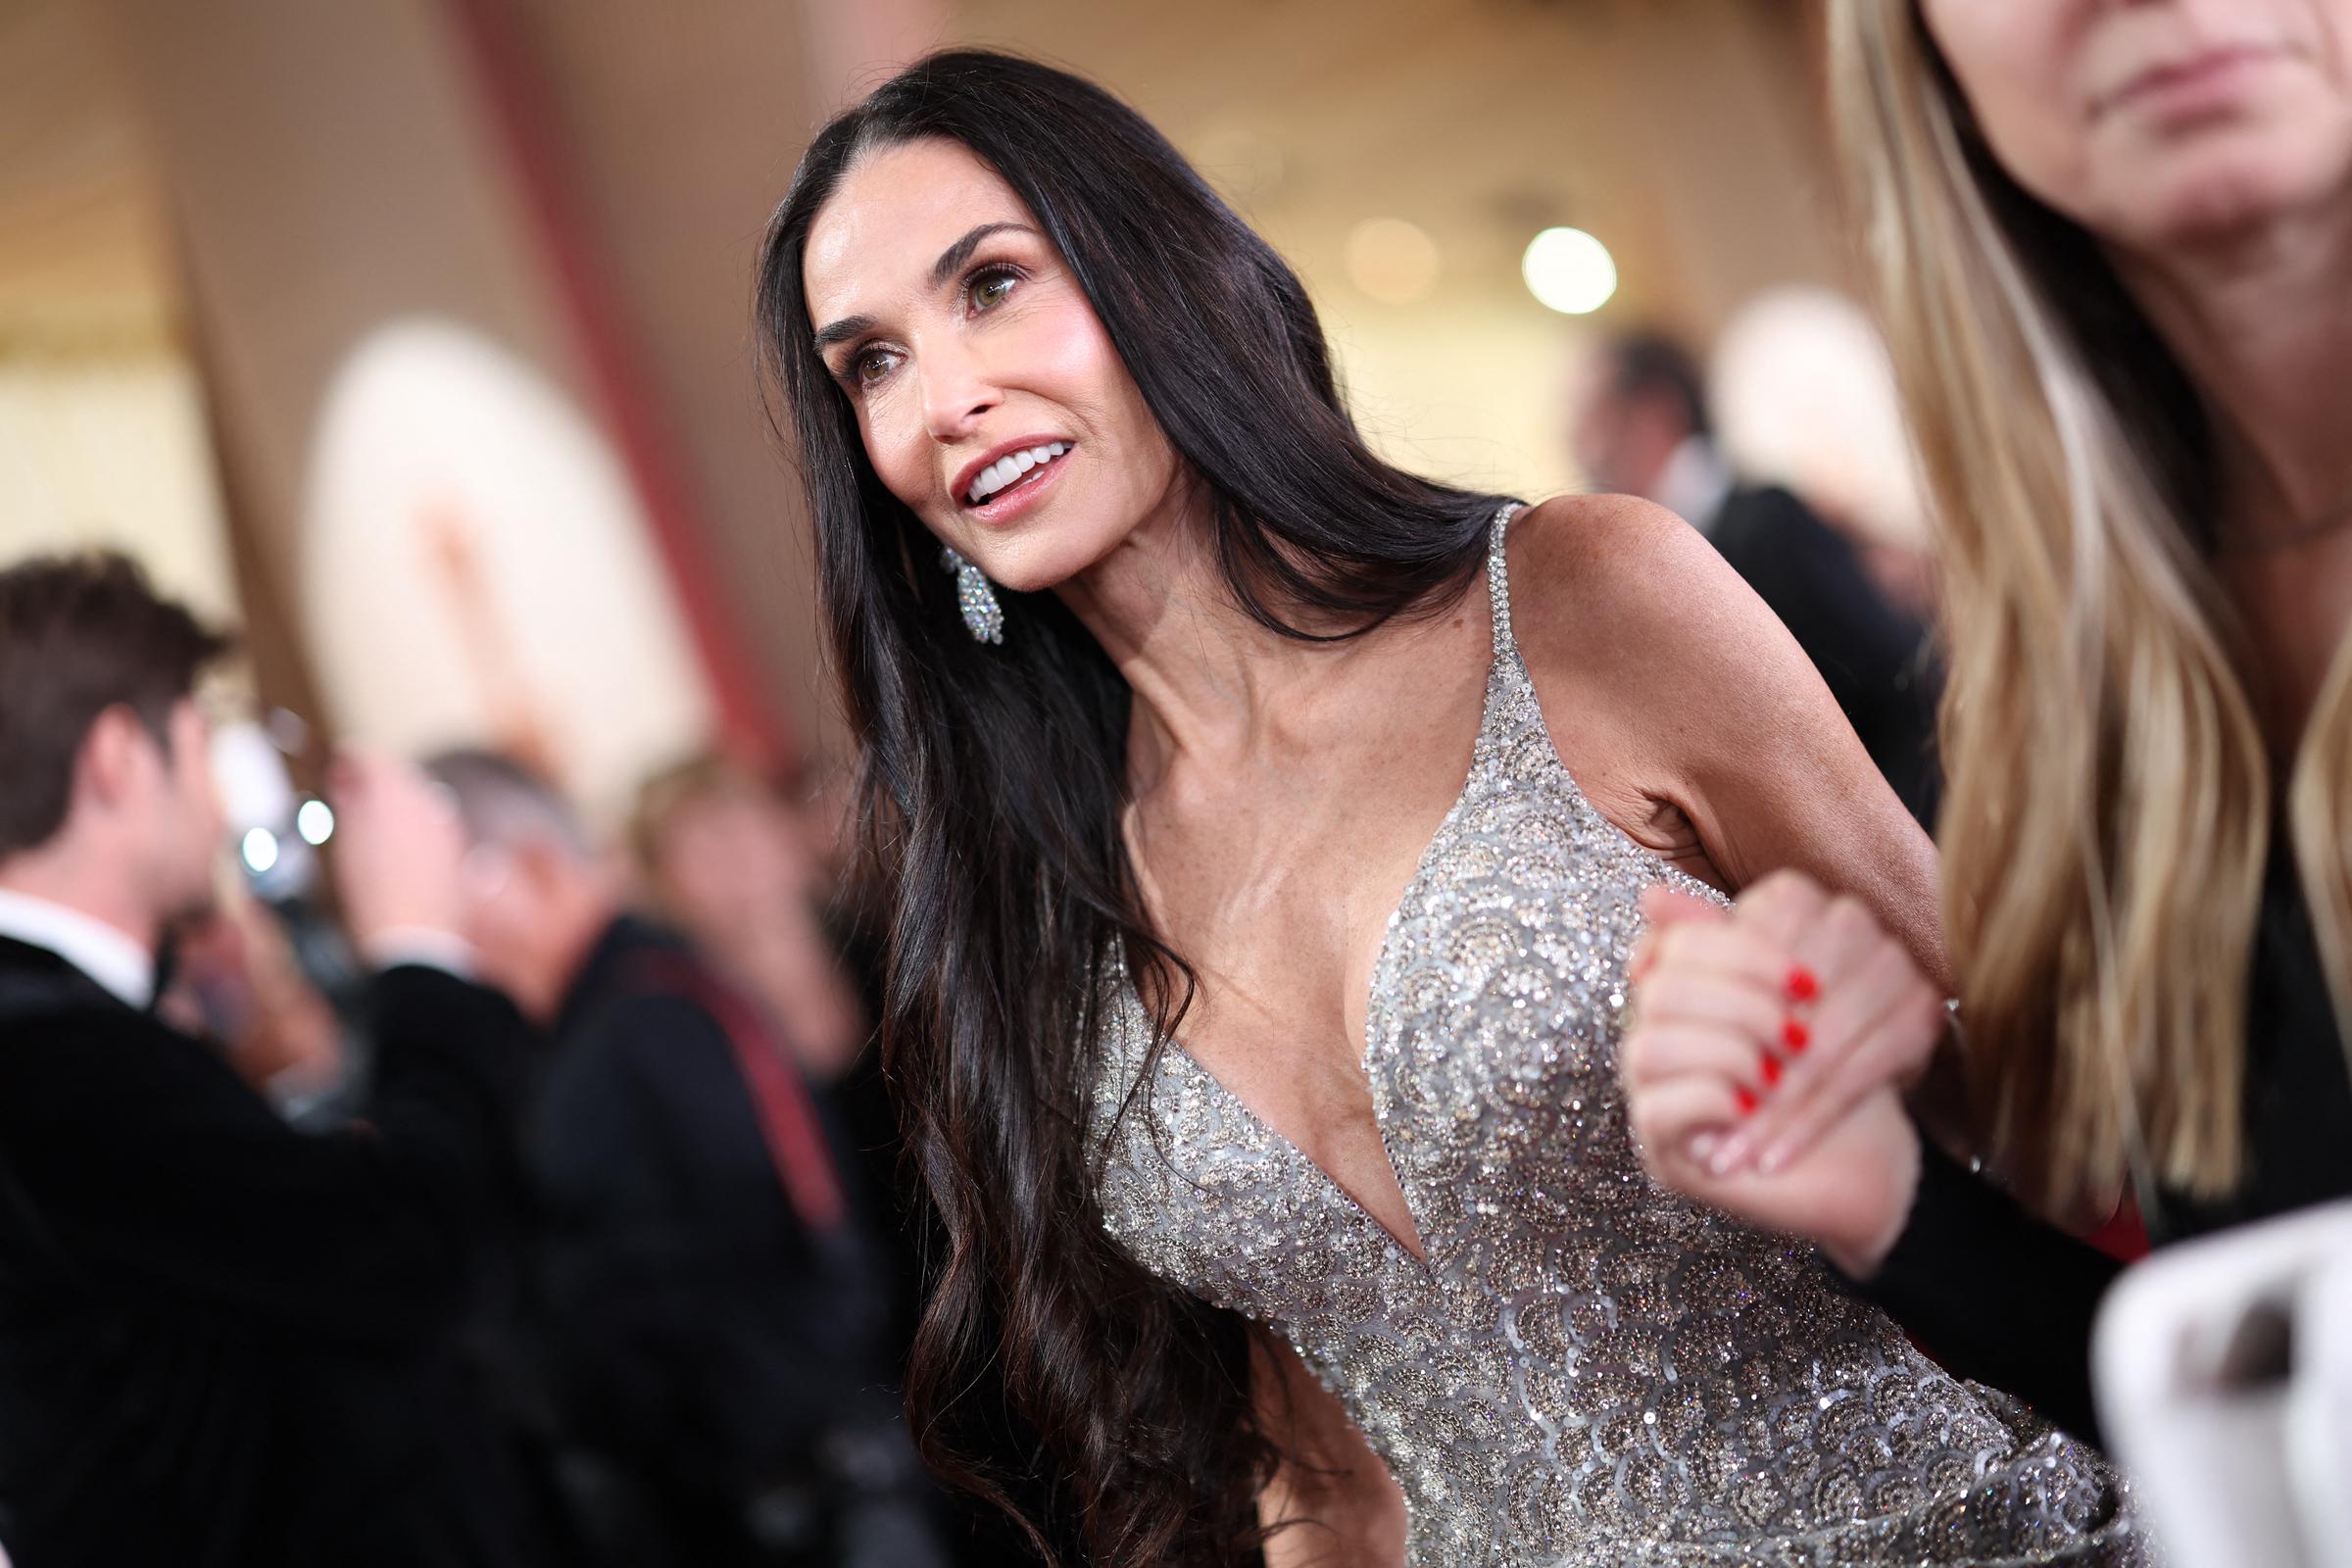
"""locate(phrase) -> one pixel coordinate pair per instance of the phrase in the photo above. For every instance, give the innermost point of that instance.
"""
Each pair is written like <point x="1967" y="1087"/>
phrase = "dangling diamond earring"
<point x="976" y="597"/>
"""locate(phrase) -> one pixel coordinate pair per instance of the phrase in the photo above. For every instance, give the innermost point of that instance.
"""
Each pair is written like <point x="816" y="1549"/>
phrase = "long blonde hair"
<point x="2108" y="811"/>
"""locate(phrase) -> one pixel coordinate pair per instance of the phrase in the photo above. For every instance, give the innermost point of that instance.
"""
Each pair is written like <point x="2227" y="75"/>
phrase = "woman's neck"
<point x="1213" y="685"/>
<point x="2262" y="322"/>
<point x="2263" y="325"/>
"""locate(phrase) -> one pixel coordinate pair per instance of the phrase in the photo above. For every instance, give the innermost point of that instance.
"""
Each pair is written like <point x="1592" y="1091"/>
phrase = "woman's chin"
<point x="1026" y="574"/>
<point x="1041" y="560"/>
<point x="2233" y="189"/>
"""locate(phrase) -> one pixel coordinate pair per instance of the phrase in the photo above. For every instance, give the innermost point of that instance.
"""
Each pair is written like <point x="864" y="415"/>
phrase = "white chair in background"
<point x="2223" y="1369"/>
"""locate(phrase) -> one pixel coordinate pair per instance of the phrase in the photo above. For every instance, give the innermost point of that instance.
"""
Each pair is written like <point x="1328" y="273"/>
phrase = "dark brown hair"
<point x="79" y="635"/>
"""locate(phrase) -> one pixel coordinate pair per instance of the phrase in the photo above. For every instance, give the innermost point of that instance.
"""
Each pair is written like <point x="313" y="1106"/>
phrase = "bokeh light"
<point x="259" y="849"/>
<point x="1569" y="271"/>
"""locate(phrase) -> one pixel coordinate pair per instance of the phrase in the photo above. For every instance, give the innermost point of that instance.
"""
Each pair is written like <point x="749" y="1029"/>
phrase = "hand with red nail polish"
<point x="1779" y="1041"/>
<point x="1857" y="1016"/>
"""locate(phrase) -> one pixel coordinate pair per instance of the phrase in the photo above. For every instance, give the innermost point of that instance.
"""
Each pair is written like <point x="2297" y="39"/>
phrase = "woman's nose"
<point x="957" y="392"/>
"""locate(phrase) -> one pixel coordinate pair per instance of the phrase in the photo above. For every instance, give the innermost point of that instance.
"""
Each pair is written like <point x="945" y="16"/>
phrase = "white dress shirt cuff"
<point x="445" y="950"/>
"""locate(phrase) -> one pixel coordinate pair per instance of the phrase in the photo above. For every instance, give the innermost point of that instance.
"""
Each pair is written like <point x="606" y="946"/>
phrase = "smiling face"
<point x="988" y="395"/>
<point x="2162" y="121"/>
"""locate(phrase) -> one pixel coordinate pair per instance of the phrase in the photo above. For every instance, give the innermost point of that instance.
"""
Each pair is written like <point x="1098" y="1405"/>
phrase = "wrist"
<point x="1862" y="1253"/>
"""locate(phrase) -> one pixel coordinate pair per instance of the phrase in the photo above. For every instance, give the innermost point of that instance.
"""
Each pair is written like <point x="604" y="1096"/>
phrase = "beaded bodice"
<point x="1586" y="1369"/>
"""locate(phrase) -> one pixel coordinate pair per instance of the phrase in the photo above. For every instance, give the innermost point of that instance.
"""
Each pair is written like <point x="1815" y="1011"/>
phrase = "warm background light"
<point x="1390" y="260"/>
<point x="1569" y="271"/>
<point x="357" y="149"/>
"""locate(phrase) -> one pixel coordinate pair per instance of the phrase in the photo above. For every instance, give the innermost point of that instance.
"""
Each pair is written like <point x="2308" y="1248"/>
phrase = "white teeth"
<point x="1002" y="472"/>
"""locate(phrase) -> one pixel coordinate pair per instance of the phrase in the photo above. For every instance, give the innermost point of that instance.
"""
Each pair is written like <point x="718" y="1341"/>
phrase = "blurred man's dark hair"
<point x="81" y="634"/>
<point x="1651" y="364"/>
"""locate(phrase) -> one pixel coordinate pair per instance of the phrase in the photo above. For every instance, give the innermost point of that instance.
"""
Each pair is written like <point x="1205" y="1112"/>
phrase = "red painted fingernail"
<point x="1794" y="1035"/>
<point x="1802" y="984"/>
<point x="1772" y="1069"/>
<point x="1743" y="1100"/>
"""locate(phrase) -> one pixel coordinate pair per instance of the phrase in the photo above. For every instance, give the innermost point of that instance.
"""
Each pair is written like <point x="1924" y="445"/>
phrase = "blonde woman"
<point x="2115" y="246"/>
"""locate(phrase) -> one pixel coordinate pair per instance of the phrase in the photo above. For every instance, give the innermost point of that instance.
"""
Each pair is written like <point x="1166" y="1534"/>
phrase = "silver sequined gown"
<point x="1589" y="1370"/>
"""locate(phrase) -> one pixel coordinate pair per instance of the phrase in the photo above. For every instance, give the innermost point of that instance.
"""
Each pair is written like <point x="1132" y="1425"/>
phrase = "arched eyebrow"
<point x="950" y="260"/>
<point x="841" y="331"/>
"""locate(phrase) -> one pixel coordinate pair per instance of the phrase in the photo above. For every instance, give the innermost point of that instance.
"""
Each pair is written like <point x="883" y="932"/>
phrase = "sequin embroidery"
<point x="1589" y="1370"/>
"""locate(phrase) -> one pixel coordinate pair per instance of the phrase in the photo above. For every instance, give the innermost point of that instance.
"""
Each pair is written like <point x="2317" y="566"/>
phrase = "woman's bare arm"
<point x="1695" y="722"/>
<point x="1332" y="1504"/>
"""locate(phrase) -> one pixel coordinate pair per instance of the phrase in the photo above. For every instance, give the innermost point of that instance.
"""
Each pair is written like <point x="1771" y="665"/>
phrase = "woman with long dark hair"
<point x="1278" y="1142"/>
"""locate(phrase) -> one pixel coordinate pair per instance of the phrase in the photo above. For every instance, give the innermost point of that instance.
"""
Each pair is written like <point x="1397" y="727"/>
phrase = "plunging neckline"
<point x="1413" y="1249"/>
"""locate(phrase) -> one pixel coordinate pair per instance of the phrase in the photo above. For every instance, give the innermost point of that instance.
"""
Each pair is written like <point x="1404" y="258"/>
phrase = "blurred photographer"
<point x="222" y="1340"/>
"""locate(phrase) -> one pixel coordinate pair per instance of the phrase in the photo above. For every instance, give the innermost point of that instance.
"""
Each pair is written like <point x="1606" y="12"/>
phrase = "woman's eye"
<point x="873" y="366"/>
<point x="991" y="287"/>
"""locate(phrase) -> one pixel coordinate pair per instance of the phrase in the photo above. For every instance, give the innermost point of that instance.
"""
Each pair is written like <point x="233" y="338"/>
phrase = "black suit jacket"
<point x="1878" y="661"/>
<point x="701" y="1332"/>
<point x="224" y="1341"/>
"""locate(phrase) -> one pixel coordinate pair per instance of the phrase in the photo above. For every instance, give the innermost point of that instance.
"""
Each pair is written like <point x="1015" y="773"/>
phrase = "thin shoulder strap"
<point x="1499" y="581"/>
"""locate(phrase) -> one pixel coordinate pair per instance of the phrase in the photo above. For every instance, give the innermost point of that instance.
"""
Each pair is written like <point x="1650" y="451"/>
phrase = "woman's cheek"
<point x="896" y="457"/>
<point x="1088" y="352"/>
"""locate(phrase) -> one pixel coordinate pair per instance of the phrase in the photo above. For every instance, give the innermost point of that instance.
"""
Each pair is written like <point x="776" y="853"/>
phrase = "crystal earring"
<point x="976" y="597"/>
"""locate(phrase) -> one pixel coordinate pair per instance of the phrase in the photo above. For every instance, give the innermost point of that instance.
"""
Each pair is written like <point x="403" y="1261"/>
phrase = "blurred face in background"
<point x="2165" y="122"/>
<point x="970" y="355"/>
<point x="527" y="908"/>
<point x="730" y="860"/>
<point x="1621" y="441"/>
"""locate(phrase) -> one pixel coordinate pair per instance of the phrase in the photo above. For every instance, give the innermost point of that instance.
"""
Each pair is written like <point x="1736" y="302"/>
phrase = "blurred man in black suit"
<point x="1641" y="427"/>
<point x="222" y="1342"/>
<point x="716" y="1309"/>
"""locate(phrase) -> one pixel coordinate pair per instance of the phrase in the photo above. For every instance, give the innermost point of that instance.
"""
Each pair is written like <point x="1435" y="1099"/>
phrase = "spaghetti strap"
<point x="1499" y="581"/>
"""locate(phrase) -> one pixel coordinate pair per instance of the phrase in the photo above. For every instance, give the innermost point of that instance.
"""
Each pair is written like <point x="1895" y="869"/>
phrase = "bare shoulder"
<point x="1616" y="588"/>
<point x="1661" y="675"/>
<point x="1584" y="534"/>
<point x="1694" y="720"/>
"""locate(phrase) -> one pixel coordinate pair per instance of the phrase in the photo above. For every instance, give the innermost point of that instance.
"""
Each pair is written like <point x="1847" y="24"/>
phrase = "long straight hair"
<point x="2109" y="811"/>
<point x="993" y="780"/>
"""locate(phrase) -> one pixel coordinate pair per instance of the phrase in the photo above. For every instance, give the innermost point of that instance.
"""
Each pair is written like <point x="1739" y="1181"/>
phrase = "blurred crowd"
<point x="551" y="1177"/>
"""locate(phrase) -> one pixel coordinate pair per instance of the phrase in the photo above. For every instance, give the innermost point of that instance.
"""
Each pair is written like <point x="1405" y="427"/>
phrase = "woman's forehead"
<point x="888" y="220"/>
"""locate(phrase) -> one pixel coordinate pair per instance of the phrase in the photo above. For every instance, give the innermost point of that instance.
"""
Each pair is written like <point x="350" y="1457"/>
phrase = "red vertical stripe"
<point x="789" y="1124"/>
